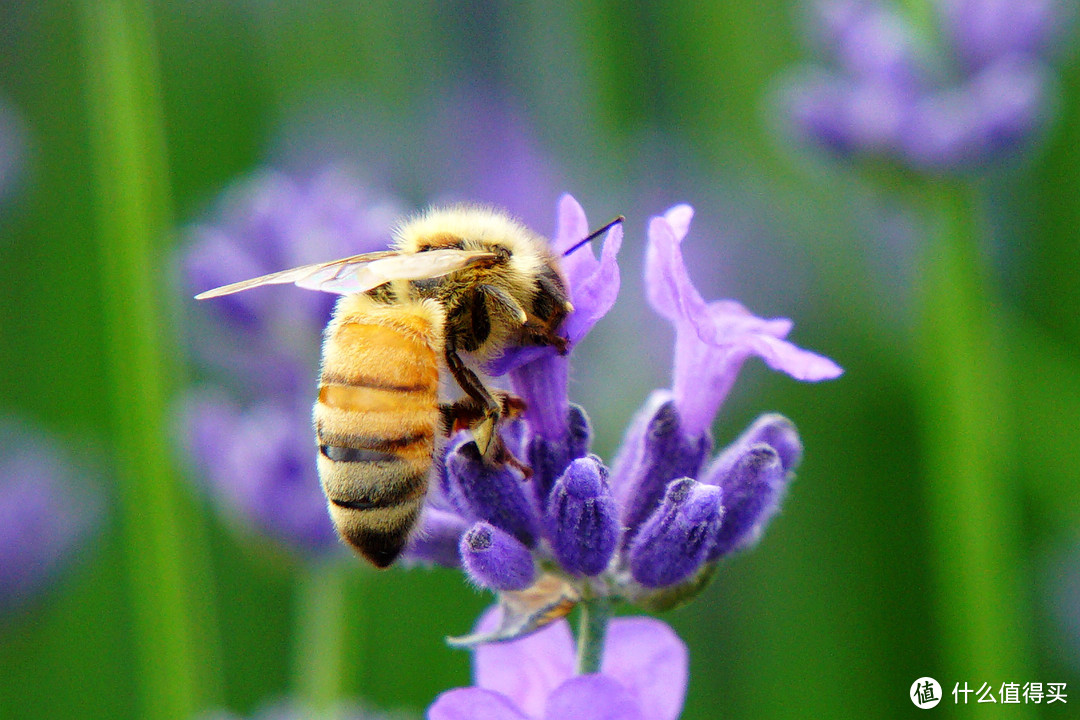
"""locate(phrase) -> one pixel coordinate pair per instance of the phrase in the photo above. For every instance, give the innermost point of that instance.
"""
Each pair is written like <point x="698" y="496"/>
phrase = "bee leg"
<point x="484" y="430"/>
<point x="466" y="414"/>
<point x="537" y="333"/>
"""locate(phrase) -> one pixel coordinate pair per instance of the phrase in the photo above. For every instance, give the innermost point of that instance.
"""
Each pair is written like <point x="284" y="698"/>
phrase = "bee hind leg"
<point x="468" y="414"/>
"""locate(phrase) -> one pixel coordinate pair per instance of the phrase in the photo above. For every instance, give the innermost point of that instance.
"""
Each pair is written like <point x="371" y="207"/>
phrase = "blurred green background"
<point x="637" y="106"/>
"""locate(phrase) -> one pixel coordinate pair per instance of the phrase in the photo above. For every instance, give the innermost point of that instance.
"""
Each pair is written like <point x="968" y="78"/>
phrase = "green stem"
<point x="593" y="620"/>
<point x="160" y="528"/>
<point x="320" y="638"/>
<point x="974" y="509"/>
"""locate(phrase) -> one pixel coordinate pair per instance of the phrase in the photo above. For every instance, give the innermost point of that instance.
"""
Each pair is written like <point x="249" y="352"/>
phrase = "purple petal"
<point x="473" y="703"/>
<point x="712" y="341"/>
<point x="571" y="227"/>
<point x="651" y="662"/>
<point x="528" y="670"/>
<point x="593" y="284"/>
<point x="670" y="291"/>
<point x="592" y="697"/>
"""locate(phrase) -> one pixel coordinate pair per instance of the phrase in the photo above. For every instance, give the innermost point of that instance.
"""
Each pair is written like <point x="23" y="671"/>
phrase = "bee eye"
<point x="502" y="252"/>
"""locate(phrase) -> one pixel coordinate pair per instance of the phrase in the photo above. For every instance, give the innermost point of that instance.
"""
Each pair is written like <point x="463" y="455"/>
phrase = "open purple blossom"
<point x="540" y="375"/>
<point x="881" y="95"/>
<point x="643" y="677"/>
<point x="46" y="514"/>
<point x="661" y="517"/>
<point x="713" y="340"/>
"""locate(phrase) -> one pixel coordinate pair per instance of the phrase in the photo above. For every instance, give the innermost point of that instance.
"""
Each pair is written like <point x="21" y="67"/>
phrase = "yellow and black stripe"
<point x="375" y="421"/>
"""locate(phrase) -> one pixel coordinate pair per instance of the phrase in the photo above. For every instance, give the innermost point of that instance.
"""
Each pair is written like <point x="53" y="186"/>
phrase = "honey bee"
<point x="459" y="286"/>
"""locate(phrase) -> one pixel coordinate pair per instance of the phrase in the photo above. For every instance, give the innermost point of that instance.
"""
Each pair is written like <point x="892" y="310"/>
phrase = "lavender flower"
<point x="643" y="676"/>
<point x="46" y="514"/>
<point x="649" y="529"/>
<point x="257" y="457"/>
<point x="987" y="96"/>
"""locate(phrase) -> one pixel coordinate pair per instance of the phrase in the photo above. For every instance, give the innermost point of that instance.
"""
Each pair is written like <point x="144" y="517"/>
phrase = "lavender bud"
<point x="549" y="458"/>
<point x="655" y="452"/>
<point x="674" y="542"/>
<point x="773" y="430"/>
<point x="493" y="493"/>
<point x="752" y="491"/>
<point x="495" y="559"/>
<point x="581" y="520"/>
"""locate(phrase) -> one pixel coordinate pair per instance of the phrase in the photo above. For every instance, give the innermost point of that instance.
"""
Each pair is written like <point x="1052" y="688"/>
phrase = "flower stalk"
<point x="161" y="532"/>
<point x="320" y="652"/>
<point x="973" y="509"/>
<point x="594" y="615"/>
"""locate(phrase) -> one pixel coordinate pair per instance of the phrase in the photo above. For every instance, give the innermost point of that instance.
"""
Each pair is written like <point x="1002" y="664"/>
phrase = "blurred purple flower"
<point x="643" y="676"/>
<point x="46" y="513"/>
<point x="983" y="31"/>
<point x="259" y="464"/>
<point x="269" y="222"/>
<point x="883" y="99"/>
<point x="657" y="520"/>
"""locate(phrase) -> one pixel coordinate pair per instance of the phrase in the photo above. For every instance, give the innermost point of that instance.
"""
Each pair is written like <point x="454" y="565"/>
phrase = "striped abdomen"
<point x="376" y="418"/>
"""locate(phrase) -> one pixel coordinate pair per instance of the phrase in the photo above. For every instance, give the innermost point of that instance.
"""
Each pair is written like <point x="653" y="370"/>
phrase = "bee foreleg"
<point x="490" y="411"/>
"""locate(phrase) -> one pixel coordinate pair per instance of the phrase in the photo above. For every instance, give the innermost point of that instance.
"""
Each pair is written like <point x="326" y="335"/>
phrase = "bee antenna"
<point x="595" y="234"/>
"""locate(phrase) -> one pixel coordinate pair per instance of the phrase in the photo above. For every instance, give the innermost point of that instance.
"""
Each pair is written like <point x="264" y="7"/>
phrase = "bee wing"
<point x="361" y="273"/>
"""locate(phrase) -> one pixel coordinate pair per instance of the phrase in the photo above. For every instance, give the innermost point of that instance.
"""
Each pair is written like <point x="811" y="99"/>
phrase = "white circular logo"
<point x="925" y="693"/>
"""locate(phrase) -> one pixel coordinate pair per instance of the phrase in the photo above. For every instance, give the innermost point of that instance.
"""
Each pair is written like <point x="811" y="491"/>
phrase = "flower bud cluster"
<point x="508" y="530"/>
<point x="980" y="93"/>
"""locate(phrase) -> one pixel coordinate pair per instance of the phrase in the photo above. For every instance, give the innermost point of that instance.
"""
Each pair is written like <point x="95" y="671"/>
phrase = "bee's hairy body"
<point x="378" y="417"/>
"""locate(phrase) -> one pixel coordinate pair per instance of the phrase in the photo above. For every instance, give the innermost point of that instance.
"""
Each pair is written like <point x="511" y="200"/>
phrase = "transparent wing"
<point x="361" y="273"/>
